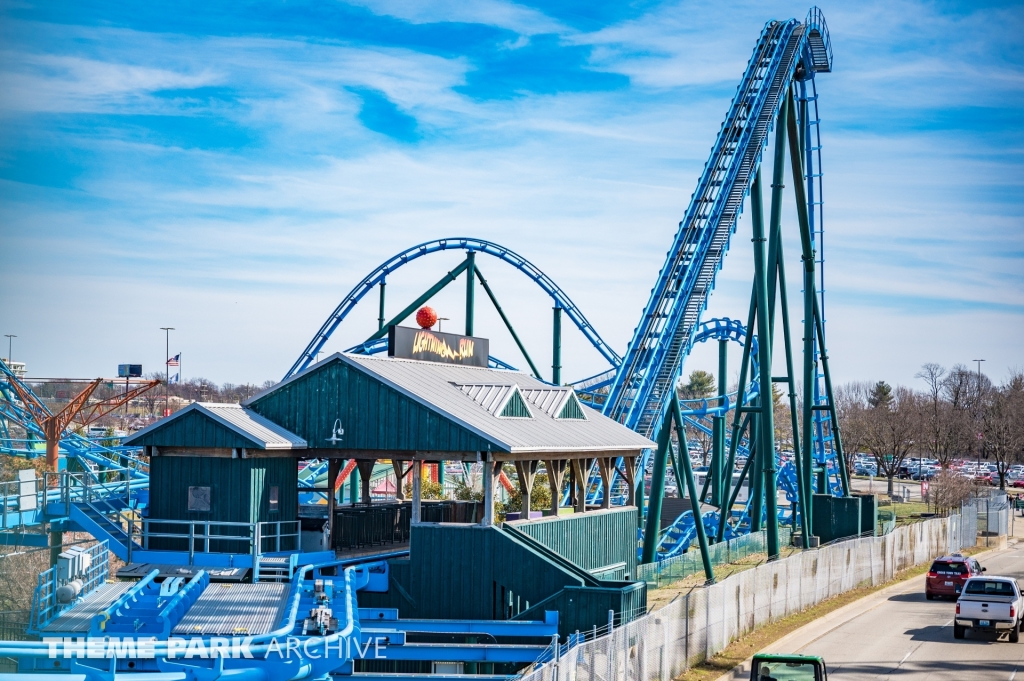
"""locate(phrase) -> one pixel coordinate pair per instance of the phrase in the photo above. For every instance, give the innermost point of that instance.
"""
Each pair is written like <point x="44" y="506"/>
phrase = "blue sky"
<point x="233" y="169"/>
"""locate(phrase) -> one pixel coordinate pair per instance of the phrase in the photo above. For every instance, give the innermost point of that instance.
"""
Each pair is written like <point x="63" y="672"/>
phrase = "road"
<point x="909" y="638"/>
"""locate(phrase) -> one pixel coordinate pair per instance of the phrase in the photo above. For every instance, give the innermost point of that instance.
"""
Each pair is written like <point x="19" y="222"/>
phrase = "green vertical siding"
<point x="591" y="540"/>
<point x="469" y="573"/>
<point x="372" y="414"/>
<point x="239" y="488"/>
<point x="195" y="429"/>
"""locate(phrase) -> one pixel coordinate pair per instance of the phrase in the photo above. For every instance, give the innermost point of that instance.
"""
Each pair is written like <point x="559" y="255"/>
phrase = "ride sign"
<point x="434" y="346"/>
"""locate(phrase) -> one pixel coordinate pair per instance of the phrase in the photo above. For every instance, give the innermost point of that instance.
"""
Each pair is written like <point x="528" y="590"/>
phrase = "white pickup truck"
<point x="989" y="604"/>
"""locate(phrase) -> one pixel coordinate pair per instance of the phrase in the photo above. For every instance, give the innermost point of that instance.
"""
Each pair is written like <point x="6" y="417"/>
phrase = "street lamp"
<point x="9" y="337"/>
<point x="167" y="367"/>
<point x="439" y="320"/>
<point x="980" y="445"/>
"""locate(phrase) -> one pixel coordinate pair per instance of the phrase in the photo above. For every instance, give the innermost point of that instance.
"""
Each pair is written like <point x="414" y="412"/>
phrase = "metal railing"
<point x="44" y="600"/>
<point x="209" y="536"/>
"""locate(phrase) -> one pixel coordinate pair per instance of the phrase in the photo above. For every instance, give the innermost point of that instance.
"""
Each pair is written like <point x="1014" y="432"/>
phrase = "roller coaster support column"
<point x="718" y="470"/>
<point x="691" y="486"/>
<point x="737" y="412"/>
<point x="766" y="424"/>
<point x="837" y="441"/>
<point x="380" y="315"/>
<point x="470" y="291"/>
<point x="810" y="314"/>
<point x="556" y="346"/>
<point x="652" y="529"/>
<point x="430" y="293"/>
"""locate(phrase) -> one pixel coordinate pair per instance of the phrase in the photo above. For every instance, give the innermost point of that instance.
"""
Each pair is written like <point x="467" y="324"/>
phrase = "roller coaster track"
<point x="379" y="275"/>
<point x="663" y="337"/>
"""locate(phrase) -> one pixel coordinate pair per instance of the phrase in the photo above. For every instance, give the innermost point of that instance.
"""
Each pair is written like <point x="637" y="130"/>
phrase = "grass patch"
<point x="741" y="649"/>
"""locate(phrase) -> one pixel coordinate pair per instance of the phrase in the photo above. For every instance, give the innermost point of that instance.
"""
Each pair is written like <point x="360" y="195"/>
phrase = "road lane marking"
<point x="1013" y="674"/>
<point x="947" y="623"/>
<point x="903" y="660"/>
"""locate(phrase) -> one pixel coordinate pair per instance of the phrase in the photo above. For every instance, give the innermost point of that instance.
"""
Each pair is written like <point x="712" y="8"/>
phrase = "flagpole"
<point x="167" y="367"/>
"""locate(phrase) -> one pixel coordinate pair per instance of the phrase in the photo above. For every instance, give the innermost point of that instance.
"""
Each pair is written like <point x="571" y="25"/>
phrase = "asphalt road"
<point x="909" y="638"/>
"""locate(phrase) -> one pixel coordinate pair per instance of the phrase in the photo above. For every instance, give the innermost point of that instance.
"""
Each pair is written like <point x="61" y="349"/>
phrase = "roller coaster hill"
<point x="232" y="520"/>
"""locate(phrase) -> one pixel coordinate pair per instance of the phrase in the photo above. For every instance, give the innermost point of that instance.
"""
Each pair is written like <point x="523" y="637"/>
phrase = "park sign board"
<point x="433" y="346"/>
<point x="129" y="370"/>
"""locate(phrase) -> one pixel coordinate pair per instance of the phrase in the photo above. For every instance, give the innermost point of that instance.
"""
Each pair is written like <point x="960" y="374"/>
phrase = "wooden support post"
<point x="604" y="467"/>
<point x="630" y="464"/>
<point x="526" y="471"/>
<point x="417" y="492"/>
<point x="399" y="475"/>
<point x="489" y="480"/>
<point x="556" y="474"/>
<point x="579" y="469"/>
<point x="365" y="469"/>
<point x="333" y="469"/>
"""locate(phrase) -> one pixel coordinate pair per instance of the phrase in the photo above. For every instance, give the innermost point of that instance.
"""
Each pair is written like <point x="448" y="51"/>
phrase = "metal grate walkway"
<point x="77" y="618"/>
<point x="235" y="609"/>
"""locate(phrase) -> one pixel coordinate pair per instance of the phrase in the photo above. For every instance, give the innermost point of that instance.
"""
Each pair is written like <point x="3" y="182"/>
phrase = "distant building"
<point x="17" y="367"/>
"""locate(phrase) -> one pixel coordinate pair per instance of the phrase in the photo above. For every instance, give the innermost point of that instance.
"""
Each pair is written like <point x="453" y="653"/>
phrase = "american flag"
<point x="174" y="361"/>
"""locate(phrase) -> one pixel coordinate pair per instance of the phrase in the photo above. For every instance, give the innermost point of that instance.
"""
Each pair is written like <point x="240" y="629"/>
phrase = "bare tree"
<point x="891" y="428"/>
<point x="1002" y="415"/>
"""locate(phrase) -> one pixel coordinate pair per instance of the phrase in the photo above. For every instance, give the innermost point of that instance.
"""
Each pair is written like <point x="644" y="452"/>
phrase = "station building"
<point x="214" y="463"/>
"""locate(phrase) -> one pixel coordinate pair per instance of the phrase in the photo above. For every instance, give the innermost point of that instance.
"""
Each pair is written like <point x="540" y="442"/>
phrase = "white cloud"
<point x="508" y="15"/>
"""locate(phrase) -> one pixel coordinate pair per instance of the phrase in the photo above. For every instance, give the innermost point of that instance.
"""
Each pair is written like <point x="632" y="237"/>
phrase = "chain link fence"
<point x="664" y="643"/>
<point x="666" y="572"/>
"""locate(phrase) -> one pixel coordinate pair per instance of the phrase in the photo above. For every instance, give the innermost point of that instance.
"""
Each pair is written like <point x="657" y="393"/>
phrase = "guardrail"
<point x="208" y="536"/>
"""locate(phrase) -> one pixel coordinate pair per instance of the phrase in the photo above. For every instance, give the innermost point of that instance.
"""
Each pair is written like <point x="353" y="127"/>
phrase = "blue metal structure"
<point x="379" y="276"/>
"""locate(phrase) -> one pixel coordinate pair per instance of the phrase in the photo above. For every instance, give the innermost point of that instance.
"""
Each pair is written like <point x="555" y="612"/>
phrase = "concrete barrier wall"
<point x="664" y="643"/>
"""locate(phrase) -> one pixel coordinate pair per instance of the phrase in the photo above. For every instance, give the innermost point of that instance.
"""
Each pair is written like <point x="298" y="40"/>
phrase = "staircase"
<point x="93" y="518"/>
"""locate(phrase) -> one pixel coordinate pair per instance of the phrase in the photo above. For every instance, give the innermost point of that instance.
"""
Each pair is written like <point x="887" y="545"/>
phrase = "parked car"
<point x="989" y="604"/>
<point x="1017" y="483"/>
<point x="948" y="574"/>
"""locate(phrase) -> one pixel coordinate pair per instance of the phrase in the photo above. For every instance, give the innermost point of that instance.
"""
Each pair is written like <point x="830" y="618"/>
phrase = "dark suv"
<point x="947" y="575"/>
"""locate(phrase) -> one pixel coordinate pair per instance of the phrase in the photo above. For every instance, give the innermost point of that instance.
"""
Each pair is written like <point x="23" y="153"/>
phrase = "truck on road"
<point x="990" y="604"/>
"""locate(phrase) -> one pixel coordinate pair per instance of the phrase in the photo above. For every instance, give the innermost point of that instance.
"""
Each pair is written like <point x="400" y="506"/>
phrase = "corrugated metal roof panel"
<point x="262" y="432"/>
<point x="437" y="386"/>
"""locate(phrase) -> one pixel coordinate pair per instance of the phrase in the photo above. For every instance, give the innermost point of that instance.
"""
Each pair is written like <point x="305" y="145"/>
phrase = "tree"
<point x="890" y="428"/>
<point x="881" y="395"/>
<point x="700" y="386"/>
<point x="1002" y="415"/>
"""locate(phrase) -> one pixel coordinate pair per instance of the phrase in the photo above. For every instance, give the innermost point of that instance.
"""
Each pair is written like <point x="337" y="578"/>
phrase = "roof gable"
<point x="214" y="425"/>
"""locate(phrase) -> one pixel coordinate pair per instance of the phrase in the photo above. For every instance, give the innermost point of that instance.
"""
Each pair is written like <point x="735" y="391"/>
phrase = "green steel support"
<point x="765" y="333"/>
<point x="691" y="486"/>
<point x="508" y="324"/>
<point x="652" y="529"/>
<point x="556" y="347"/>
<point x="802" y="486"/>
<point x="440" y="475"/>
<point x="740" y="397"/>
<point x="430" y="293"/>
<point x="756" y="472"/>
<point x="470" y="291"/>
<point x="837" y="442"/>
<point x="739" y="483"/>
<point x="807" y="257"/>
<point x="353" y="486"/>
<point x="380" y="315"/>
<point x="718" y="492"/>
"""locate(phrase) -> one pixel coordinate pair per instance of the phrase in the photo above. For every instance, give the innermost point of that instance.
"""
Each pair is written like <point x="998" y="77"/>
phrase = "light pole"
<point x="10" y="341"/>
<point x="982" y="443"/>
<point x="167" y="368"/>
<point x="439" y="320"/>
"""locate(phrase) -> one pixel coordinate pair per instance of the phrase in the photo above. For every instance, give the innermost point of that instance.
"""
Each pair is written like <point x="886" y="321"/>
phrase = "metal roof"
<point x="458" y="392"/>
<point x="490" y="397"/>
<point x="247" y="423"/>
<point x="550" y="400"/>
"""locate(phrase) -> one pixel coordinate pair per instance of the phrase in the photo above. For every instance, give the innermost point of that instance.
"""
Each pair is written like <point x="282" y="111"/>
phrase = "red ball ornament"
<point x="426" y="317"/>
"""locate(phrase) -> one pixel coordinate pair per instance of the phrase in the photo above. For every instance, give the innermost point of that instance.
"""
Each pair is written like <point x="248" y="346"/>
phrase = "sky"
<point x="232" y="170"/>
